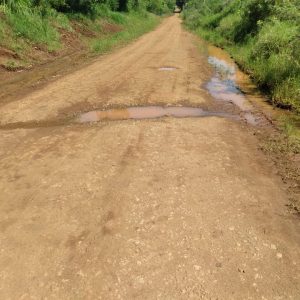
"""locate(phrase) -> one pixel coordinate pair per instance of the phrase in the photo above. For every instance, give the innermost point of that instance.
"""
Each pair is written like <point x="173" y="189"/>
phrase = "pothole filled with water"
<point x="131" y="113"/>
<point x="147" y="112"/>
<point x="223" y="87"/>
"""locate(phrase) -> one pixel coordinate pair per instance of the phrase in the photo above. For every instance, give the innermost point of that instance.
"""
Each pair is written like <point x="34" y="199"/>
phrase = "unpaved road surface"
<point x="166" y="208"/>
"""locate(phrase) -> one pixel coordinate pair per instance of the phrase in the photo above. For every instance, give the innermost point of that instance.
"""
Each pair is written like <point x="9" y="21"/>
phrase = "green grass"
<point x="13" y="65"/>
<point x="290" y="126"/>
<point x="30" y="24"/>
<point x="133" y="26"/>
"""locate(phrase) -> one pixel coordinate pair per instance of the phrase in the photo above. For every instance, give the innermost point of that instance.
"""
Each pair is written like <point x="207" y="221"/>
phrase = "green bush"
<point x="252" y="14"/>
<point x="274" y="37"/>
<point x="88" y="7"/>
<point x="228" y="24"/>
<point x="158" y="7"/>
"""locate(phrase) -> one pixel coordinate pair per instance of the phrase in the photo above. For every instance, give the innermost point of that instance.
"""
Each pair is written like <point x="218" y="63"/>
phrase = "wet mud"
<point x="36" y="124"/>
<point x="148" y="112"/>
<point x="131" y="113"/>
<point x="223" y="86"/>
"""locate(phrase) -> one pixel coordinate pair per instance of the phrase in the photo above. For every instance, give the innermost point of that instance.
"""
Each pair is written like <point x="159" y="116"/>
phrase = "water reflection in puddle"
<point x="167" y="69"/>
<point x="226" y="90"/>
<point x="223" y="87"/>
<point x="147" y="112"/>
<point x="222" y="67"/>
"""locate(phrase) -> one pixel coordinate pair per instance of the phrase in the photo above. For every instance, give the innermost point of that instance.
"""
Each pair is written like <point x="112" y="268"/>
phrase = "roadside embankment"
<point x="31" y="36"/>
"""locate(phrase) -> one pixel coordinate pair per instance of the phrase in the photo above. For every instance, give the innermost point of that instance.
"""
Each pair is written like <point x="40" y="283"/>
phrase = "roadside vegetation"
<point x="263" y="36"/>
<point x="36" y="30"/>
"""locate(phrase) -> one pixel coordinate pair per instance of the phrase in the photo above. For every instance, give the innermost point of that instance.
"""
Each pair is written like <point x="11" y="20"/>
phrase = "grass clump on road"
<point x="263" y="37"/>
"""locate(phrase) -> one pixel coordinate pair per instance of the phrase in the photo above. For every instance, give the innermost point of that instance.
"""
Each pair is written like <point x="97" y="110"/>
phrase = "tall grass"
<point x="34" y="27"/>
<point x="36" y="24"/>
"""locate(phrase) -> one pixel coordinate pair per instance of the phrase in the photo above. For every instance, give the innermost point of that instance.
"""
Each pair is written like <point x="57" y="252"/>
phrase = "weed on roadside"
<point x="284" y="148"/>
<point x="13" y="65"/>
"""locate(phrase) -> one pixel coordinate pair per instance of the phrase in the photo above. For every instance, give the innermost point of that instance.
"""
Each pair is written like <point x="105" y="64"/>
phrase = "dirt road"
<point x="167" y="208"/>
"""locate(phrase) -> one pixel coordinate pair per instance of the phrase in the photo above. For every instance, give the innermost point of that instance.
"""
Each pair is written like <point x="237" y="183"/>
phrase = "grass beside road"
<point x="133" y="25"/>
<point x="31" y="35"/>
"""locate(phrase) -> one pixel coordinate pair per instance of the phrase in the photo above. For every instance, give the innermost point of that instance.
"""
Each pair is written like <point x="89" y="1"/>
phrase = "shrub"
<point x="254" y="12"/>
<point x="158" y="7"/>
<point x="287" y="93"/>
<point x="228" y="24"/>
<point x="275" y="36"/>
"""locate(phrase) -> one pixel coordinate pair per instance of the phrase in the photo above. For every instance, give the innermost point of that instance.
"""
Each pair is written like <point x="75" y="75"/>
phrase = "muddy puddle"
<point x="147" y="112"/>
<point x="131" y="113"/>
<point x="225" y="84"/>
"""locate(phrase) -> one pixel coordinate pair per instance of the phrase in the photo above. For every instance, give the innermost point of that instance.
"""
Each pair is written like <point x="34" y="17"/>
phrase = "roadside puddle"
<point x="147" y="112"/>
<point x="223" y="85"/>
